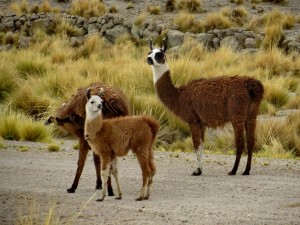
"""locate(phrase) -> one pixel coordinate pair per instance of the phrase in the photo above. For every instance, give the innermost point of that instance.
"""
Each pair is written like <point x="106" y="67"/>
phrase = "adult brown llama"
<point x="210" y="103"/>
<point x="71" y="116"/>
<point x="112" y="138"/>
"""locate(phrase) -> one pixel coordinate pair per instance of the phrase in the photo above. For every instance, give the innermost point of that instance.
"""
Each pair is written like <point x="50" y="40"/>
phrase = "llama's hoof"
<point x="98" y="186"/>
<point x="197" y="172"/>
<point x="71" y="190"/>
<point x="246" y="173"/>
<point x="139" y="199"/>
<point x="118" y="198"/>
<point x="99" y="199"/>
<point x="146" y="198"/>
<point x="231" y="173"/>
<point x="110" y="192"/>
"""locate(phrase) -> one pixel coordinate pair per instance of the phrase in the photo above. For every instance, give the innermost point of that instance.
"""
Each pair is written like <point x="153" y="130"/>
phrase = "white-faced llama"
<point x="210" y="103"/>
<point x="111" y="138"/>
<point x="71" y="116"/>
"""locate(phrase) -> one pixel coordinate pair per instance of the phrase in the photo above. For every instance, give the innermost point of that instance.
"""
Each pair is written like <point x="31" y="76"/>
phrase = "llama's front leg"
<point x="199" y="157"/>
<point x="104" y="177"/>
<point x="114" y="172"/>
<point x="83" y="151"/>
<point x="197" y="132"/>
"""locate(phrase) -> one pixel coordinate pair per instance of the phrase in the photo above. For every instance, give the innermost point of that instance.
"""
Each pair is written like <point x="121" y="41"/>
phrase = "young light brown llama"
<point x="71" y="115"/>
<point x="114" y="137"/>
<point x="210" y="103"/>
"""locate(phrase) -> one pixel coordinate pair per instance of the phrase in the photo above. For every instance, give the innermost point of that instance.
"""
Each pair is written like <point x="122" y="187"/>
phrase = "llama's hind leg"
<point x="239" y="141"/>
<point x="153" y="170"/>
<point x="143" y="160"/>
<point x="114" y="171"/>
<point x="250" y="132"/>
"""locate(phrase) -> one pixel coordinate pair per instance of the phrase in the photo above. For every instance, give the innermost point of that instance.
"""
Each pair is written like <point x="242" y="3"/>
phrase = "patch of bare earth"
<point x="270" y="195"/>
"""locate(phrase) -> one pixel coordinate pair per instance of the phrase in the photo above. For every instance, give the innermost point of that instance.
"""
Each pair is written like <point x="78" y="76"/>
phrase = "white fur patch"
<point x="157" y="68"/>
<point x="93" y="107"/>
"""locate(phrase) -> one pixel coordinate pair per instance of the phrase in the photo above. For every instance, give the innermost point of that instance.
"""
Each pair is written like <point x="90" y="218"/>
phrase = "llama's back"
<point x="219" y="100"/>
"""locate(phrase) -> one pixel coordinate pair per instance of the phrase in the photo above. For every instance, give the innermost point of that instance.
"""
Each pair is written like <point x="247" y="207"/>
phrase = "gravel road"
<point x="37" y="179"/>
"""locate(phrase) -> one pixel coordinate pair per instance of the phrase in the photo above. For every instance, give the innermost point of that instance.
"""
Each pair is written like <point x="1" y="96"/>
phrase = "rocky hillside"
<point x="144" y="20"/>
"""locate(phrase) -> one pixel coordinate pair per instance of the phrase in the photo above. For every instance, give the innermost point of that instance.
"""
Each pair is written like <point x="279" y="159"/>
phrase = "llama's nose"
<point x="100" y="107"/>
<point x="150" y="61"/>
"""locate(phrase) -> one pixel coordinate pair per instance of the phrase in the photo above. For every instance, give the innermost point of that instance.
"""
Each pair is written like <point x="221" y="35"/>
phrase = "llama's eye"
<point x="92" y="102"/>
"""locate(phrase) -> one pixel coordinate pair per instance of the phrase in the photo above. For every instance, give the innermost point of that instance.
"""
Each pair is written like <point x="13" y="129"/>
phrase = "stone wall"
<point x="111" y="27"/>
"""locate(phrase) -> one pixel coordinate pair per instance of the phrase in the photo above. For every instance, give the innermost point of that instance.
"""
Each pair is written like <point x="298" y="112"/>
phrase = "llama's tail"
<point x="153" y="124"/>
<point x="256" y="89"/>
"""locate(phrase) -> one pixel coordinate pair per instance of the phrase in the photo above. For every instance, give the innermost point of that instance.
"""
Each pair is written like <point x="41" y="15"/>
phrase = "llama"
<point x="114" y="137"/>
<point x="210" y="103"/>
<point x="71" y="115"/>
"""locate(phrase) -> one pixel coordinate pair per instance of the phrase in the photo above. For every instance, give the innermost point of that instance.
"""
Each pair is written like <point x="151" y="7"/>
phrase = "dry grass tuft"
<point x="153" y="9"/>
<point x="88" y="8"/>
<point x="185" y="21"/>
<point x="140" y="19"/>
<point x="189" y="5"/>
<point x="273" y="37"/>
<point x="20" y="9"/>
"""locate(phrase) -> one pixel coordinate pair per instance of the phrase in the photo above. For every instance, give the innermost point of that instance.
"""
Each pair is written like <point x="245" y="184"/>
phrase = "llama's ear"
<point x="151" y="45"/>
<point x="101" y="93"/>
<point x="164" y="47"/>
<point x="88" y="93"/>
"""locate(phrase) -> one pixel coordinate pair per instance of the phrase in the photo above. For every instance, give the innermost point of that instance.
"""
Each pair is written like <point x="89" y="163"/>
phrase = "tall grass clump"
<point x="153" y="9"/>
<point x="140" y="19"/>
<point x="65" y="28"/>
<point x="34" y="131"/>
<point x="274" y="62"/>
<point x="276" y="93"/>
<point x="217" y="20"/>
<point x="185" y="21"/>
<point x="10" y="124"/>
<point x="7" y="82"/>
<point x="88" y="8"/>
<point x="273" y="37"/>
<point x="293" y="120"/>
<point x="17" y="126"/>
<point x="20" y="8"/>
<point x="191" y="6"/>
<point x="30" y="102"/>
<point x="26" y="68"/>
<point x="274" y="138"/>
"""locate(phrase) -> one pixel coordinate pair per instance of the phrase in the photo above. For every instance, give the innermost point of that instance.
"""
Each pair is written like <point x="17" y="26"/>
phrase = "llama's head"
<point x="93" y="106"/>
<point x="156" y="56"/>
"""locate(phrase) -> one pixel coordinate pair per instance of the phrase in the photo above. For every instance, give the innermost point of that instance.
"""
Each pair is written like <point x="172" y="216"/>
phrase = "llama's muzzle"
<point x="150" y="61"/>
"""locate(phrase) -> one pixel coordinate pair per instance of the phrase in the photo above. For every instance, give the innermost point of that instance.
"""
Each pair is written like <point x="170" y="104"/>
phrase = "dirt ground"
<point x="37" y="179"/>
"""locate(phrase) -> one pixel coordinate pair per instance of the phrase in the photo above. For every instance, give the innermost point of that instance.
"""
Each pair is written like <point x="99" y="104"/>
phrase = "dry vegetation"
<point x="34" y="81"/>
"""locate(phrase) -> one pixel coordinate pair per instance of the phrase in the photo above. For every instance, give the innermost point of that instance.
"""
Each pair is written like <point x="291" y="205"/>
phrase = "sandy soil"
<point x="38" y="179"/>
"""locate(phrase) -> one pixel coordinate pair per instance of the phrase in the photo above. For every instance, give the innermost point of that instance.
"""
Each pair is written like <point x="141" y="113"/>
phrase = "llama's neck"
<point x="93" y="123"/>
<point x="165" y="88"/>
